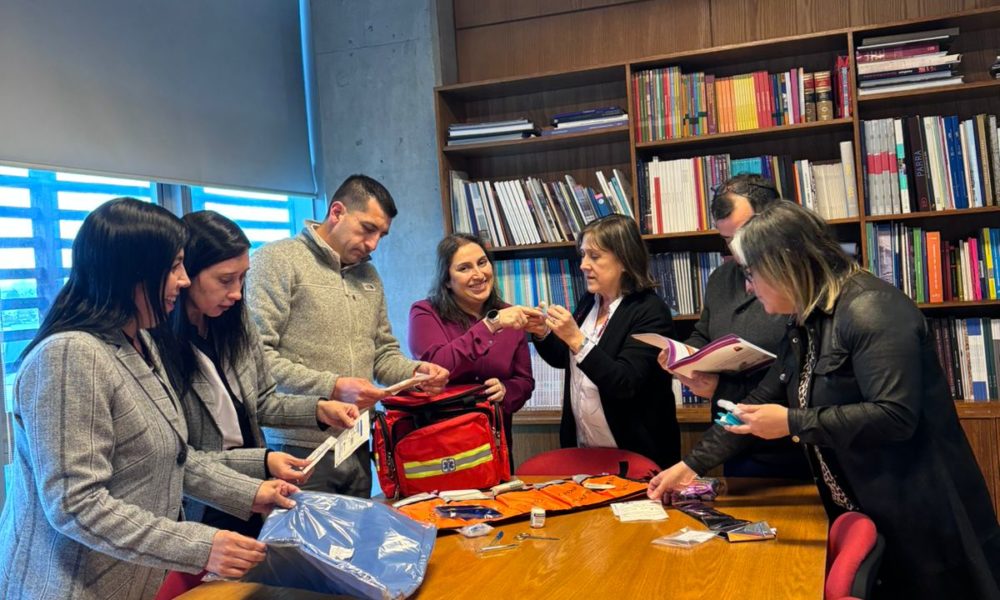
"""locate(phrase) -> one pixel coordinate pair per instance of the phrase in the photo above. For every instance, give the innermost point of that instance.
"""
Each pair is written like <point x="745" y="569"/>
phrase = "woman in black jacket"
<point x="615" y="394"/>
<point x="858" y="383"/>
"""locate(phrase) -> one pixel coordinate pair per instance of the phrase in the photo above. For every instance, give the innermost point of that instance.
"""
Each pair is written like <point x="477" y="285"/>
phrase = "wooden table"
<point x="598" y="557"/>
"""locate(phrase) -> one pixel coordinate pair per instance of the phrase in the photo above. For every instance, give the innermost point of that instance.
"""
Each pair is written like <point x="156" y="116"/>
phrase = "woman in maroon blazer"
<point x="465" y="327"/>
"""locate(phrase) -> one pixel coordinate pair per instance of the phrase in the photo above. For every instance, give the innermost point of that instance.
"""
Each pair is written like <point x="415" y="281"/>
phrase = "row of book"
<point x="531" y="281"/>
<point x="908" y="61"/>
<point x="675" y="195"/>
<point x="682" y="278"/>
<point x="930" y="163"/>
<point x="530" y="211"/>
<point x="969" y="352"/>
<point x="669" y="104"/>
<point x="929" y="269"/>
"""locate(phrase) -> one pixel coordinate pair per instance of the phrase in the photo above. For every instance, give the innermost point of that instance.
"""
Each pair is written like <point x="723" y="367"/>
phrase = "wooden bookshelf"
<point x="539" y="95"/>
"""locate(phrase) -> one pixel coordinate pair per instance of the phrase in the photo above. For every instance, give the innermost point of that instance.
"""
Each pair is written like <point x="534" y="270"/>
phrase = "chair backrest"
<point x="176" y="583"/>
<point x="854" y="553"/>
<point x="572" y="461"/>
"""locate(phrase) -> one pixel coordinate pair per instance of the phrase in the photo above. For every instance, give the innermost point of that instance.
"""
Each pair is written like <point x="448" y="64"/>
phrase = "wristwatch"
<point x="493" y="320"/>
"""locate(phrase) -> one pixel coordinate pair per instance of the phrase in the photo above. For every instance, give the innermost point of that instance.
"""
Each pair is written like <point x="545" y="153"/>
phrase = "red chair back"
<point x="176" y="583"/>
<point x="572" y="461"/>
<point x="854" y="551"/>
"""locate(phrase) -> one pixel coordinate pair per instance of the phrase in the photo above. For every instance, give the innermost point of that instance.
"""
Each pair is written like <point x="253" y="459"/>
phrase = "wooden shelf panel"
<point x="961" y="91"/>
<point x="563" y="141"/>
<point x="768" y="133"/>
<point x="718" y="59"/>
<point x="501" y="252"/>
<point x="936" y="214"/>
<point x="957" y="304"/>
<point x="679" y="235"/>
<point x="536" y="83"/>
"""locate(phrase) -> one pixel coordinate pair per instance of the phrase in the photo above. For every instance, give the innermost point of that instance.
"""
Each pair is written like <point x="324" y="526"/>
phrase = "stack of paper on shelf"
<point x="907" y="61"/>
<point x="495" y="131"/>
<point x="587" y="120"/>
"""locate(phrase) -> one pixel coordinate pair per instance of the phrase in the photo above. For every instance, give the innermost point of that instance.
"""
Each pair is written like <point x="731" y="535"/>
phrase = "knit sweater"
<point x="320" y="320"/>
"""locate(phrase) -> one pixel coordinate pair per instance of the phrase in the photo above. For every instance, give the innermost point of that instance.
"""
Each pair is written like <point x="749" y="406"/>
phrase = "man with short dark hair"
<point x="321" y="310"/>
<point x="730" y="306"/>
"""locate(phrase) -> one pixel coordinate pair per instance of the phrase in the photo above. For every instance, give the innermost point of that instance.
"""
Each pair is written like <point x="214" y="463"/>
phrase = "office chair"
<point x="854" y="552"/>
<point x="572" y="461"/>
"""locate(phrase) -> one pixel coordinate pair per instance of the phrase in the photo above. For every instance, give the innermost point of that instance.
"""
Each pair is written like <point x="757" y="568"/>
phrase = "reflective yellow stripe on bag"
<point x="448" y="464"/>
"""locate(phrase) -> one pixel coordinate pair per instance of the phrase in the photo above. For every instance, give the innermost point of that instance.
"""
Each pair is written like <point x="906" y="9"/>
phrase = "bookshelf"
<point x="581" y="155"/>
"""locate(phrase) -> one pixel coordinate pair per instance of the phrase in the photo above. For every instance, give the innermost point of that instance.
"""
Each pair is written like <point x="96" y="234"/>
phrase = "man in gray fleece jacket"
<point x="321" y="311"/>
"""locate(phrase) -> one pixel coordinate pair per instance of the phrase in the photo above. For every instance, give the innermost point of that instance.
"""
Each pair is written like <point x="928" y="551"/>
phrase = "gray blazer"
<point x="98" y="471"/>
<point x="264" y="406"/>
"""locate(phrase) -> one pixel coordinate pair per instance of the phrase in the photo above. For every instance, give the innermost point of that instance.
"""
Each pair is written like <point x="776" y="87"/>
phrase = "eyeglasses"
<point x="747" y="273"/>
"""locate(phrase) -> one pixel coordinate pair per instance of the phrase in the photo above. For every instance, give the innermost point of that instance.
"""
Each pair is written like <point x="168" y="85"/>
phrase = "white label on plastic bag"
<point x="350" y="439"/>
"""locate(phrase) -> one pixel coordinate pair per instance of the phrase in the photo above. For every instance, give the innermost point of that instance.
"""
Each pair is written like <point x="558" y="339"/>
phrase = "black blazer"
<point x="635" y="391"/>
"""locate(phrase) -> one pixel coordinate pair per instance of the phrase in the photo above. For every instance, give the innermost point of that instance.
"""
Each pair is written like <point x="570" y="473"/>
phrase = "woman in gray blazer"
<point x="101" y="456"/>
<point x="219" y="372"/>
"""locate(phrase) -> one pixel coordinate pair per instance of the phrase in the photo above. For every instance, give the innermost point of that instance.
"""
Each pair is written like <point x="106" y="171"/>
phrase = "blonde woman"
<point x="858" y="383"/>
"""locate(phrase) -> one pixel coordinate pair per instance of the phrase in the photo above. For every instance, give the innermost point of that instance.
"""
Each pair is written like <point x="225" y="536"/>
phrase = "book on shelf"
<point x="489" y="127"/>
<point x="490" y="131"/>
<point x="589" y="125"/>
<point x="909" y="76"/>
<point x="930" y="269"/>
<point x="906" y="87"/>
<point x="548" y="392"/>
<point x="883" y="75"/>
<point x="727" y="354"/>
<point x="482" y="139"/>
<point x="587" y="114"/>
<point x="914" y="37"/>
<point x="928" y="60"/>
<point x="893" y="52"/>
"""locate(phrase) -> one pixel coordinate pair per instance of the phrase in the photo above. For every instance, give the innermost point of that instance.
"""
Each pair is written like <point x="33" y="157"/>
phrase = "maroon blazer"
<point x="473" y="354"/>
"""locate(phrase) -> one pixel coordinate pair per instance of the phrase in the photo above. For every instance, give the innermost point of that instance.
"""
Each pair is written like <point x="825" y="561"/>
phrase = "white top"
<point x="591" y="425"/>
<point x="219" y="403"/>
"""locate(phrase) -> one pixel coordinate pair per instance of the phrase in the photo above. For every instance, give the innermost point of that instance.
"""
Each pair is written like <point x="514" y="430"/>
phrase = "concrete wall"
<point x="376" y="67"/>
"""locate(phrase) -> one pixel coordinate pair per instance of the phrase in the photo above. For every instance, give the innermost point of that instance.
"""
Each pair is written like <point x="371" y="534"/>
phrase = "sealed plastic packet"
<point x="684" y="538"/>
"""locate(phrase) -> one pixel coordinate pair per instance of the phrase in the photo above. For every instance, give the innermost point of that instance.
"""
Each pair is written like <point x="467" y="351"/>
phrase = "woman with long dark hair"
<point x="219" y="371"/>
<point x="465" y="327"/>
<point x="101" y="457"/>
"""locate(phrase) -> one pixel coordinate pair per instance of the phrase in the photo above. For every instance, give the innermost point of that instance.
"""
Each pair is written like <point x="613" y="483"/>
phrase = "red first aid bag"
<point x="448" y="441"/>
